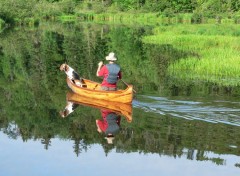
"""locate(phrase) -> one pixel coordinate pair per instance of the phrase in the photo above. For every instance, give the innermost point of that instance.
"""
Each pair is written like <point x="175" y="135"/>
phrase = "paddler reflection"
<point x="109" y="124"/>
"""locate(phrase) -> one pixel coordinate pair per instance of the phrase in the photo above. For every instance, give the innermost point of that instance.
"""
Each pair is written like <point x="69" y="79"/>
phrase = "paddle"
<point x="128" y="85"/>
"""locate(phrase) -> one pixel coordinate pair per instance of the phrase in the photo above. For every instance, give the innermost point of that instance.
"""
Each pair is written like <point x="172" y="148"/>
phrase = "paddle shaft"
<point x="128" y="85"/>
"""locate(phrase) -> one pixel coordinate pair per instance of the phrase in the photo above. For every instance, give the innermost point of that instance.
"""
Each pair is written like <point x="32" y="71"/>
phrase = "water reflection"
<point x="111" y="112"/>
<point x="30" y="108"/>
<point x="120" y="108"/>
<point x="109" y="124"/>
<point x="70" y="107"/>
<point x="212" y="111"/>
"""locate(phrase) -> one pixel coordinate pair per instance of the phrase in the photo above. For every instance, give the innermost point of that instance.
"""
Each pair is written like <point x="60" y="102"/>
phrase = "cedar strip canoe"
<point x="92" y="90"/>
<point x="119" y="108"/>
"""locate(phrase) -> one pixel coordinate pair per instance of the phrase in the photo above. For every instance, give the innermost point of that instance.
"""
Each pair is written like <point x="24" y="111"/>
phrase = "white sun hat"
<point x="111" y="56"/>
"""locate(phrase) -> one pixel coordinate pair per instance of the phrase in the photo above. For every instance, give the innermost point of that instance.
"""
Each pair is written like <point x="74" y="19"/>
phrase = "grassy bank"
<point x="213" y="51"/>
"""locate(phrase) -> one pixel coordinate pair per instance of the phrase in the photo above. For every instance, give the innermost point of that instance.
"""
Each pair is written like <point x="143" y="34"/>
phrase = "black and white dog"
<point x="72" y="75"/>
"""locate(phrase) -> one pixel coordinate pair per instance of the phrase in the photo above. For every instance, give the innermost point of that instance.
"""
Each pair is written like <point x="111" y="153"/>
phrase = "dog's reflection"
<point x="69" y="108"/>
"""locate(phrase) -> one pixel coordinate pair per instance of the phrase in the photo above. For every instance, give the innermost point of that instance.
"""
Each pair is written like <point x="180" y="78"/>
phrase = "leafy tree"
<point x="10" y="10"/>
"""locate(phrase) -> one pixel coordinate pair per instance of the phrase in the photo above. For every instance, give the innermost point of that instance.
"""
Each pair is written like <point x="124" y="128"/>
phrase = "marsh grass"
<point x="214" y="52"/>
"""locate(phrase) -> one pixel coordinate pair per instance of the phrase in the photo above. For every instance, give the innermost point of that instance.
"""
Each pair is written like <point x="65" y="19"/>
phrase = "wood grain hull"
<point x="92" y="90"/>
<point x="120" y="108"/>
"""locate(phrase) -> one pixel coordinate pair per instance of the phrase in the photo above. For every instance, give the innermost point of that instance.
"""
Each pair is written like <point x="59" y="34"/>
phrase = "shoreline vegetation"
<point x="207" y="31"/>
<point x="146" y="18"/>
<point x="24" y="12"/>
<point x="123" y="18"/>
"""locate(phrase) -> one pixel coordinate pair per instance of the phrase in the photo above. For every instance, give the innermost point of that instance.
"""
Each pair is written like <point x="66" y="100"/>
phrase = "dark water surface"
<point x="178" y="128"/>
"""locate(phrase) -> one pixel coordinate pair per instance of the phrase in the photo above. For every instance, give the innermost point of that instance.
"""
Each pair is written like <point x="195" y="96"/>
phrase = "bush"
<point x="67" y="6"/>
<point x="197" y="18"/>
<point x="168" y="12"/>
<point x="16" y="9"/>
<point x="45" y="9"/>
<point x="236" y="18"/>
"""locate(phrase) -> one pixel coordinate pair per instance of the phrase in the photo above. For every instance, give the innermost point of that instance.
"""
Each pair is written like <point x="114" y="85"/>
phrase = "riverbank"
<point x="125" y="18"/>
<point x="149" y="18"/>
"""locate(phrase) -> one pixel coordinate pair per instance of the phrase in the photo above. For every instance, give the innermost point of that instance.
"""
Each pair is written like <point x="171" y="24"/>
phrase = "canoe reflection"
<point x="73" y="100"/>
<point x="111" y="112"/>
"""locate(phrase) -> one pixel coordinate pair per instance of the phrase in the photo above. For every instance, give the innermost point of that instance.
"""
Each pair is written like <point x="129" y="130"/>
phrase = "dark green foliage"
<point x="18" y="9"/>
<point x="197" y="17"/>
<point x="24" y="9"/>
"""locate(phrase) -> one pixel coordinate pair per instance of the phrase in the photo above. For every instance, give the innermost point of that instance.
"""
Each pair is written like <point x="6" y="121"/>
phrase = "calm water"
<point x="177" y="129"/>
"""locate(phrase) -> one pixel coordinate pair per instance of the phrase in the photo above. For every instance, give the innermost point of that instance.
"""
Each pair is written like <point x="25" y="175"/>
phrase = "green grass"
<point x="214" y="52"/>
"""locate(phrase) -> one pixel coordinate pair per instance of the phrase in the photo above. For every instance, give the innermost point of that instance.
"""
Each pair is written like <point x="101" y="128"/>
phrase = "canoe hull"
<point x="92" y="90"/>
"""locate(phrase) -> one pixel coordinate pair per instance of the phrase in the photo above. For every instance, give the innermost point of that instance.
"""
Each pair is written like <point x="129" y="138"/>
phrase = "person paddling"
<point x="110" y="72"/>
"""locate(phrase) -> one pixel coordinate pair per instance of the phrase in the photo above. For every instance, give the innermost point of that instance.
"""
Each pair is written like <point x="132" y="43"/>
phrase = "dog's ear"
<point x="66" y="112"/>
<point x="66" y="67"/>
<point x="62" y="113"/>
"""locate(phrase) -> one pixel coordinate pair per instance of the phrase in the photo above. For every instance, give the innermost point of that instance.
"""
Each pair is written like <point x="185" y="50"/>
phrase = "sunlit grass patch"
<point x="216" y="57"/>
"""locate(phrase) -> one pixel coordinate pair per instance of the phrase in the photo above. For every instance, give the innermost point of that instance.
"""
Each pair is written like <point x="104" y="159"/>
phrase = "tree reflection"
<point x="32" y="92"/>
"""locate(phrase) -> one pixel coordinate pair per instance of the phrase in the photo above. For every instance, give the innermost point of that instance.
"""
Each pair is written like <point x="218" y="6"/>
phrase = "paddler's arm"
<point x="100" y="64"/>
<point x="98" y="127"/>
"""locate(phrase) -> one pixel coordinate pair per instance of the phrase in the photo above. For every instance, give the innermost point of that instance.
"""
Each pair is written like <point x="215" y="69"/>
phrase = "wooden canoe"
<point x="119" y="108"/>
<point x="92" y="90"/>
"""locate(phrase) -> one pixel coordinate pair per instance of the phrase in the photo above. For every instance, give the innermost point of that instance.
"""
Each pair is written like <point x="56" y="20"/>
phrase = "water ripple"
<point x="217" y="111"/>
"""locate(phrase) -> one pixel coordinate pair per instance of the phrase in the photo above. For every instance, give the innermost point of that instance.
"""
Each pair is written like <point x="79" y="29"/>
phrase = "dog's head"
<point x="64" y="113"/>
<point x="64" y="67"/>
